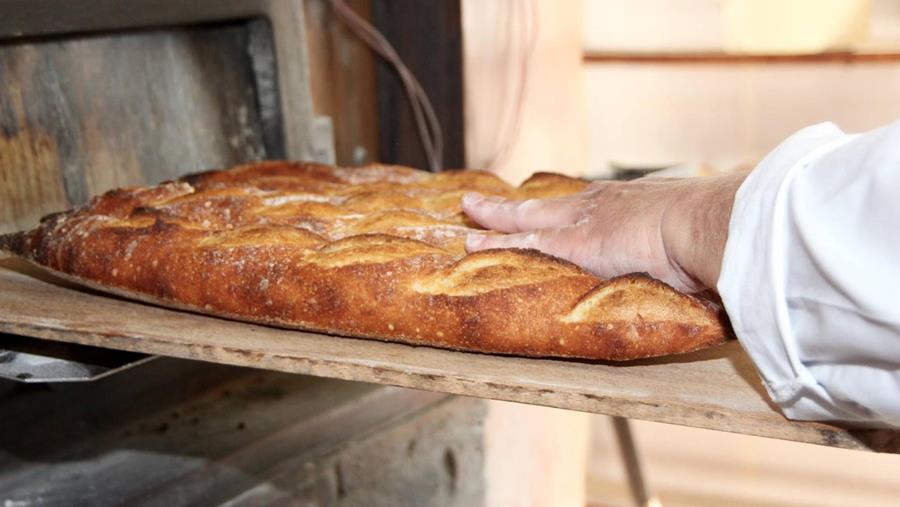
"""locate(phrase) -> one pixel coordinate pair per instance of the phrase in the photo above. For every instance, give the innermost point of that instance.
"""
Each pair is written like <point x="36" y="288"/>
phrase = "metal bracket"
<point x="634" y="471"/>
<point x="32" y="360"/>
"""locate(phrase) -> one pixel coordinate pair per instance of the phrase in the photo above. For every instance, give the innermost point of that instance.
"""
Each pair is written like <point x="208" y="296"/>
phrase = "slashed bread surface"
<point x="374" y="252"/>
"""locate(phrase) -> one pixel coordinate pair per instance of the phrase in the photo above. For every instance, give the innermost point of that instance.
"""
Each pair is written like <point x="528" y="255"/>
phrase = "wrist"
<point x="695" y="226"/>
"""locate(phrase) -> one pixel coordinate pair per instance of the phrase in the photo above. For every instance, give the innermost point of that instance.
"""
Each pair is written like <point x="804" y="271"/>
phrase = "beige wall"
<point x="535" y="456"/>
<point x="689" y="467"/>
<point x="726" y="115"/>
<point x="702" y="25"/>
<point x="652" y="25"/>
<point x="552" y="134"/>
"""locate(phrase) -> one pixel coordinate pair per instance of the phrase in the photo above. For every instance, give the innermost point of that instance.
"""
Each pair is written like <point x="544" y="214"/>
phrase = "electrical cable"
<point x="427" y="122"/>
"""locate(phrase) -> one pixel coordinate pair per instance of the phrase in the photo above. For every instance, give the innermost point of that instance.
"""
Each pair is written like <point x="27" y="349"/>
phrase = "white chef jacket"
<point x="811" y="274"/>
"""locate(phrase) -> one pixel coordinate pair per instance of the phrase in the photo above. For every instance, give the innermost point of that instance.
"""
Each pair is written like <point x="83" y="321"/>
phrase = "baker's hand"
<point x="673" y="229"/>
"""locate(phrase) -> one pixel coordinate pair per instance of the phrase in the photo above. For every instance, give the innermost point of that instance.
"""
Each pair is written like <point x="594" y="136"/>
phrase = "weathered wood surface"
<point x="80" y="116"/>
<point x="716" y="389"/>
<point x="342" y="81"/>
<point x="305" y="137"/>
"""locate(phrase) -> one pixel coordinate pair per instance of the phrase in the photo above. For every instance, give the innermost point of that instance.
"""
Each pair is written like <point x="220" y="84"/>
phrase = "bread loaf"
<point x="374" y="252"/>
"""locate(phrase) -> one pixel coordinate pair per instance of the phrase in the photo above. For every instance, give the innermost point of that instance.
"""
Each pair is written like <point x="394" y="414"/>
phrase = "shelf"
<point x="713" y="57"/>
<point x="716" y="388"/>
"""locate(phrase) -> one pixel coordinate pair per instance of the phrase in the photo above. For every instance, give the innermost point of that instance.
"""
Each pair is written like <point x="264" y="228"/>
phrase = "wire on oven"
<point x="427" y="122"/>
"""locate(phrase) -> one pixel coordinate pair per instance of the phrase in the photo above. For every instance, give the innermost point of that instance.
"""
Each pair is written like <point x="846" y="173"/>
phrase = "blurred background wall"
<point x="524" y="87"/>
<point x="684" y="81"/>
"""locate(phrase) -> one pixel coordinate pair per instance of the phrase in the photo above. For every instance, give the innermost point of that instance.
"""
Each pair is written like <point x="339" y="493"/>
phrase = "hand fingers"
<point x="561" y="242"/>
<point x="516" y="216"/>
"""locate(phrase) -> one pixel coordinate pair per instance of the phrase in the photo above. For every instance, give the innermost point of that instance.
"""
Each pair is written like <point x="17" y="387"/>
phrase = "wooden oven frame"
<point x="306" y="136"/>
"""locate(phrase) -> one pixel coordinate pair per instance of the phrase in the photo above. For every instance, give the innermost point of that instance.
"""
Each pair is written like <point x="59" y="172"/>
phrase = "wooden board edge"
<point x="877" y="440"/>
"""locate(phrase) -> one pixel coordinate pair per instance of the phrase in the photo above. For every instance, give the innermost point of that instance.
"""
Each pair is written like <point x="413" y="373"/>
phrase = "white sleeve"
<point x="811" y="274"/>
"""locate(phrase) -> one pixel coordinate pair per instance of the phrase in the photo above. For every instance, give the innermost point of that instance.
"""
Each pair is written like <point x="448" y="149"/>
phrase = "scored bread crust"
<point x="375" y="252"/>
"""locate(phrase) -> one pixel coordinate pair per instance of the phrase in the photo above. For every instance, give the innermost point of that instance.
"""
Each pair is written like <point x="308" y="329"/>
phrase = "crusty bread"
<point x="375" y="252"/>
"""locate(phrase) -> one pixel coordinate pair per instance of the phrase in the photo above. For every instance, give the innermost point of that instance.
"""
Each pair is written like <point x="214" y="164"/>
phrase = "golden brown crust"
<point x="374" y="252"/>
